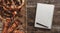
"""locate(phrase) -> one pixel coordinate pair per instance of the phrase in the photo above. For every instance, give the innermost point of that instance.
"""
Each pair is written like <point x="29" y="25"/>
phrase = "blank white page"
<point x="44" y="15"/>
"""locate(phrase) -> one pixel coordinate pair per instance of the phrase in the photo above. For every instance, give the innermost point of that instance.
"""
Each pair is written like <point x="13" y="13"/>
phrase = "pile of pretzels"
<point x="9" y="9"/>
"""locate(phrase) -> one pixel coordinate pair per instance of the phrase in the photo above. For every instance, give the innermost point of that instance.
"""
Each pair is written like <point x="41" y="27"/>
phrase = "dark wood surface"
<point x="31" y="11"/>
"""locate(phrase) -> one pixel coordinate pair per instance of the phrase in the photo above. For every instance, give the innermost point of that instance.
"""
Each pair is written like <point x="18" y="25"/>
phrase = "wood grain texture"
<point x="31" y="11"/>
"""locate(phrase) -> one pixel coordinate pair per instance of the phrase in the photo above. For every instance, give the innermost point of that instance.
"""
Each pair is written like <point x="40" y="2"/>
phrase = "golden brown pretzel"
<point x="6" y="24"/>
<point x="17" y="31"/>
<point x="12" y="6"/>
<point x="14" y="25"/>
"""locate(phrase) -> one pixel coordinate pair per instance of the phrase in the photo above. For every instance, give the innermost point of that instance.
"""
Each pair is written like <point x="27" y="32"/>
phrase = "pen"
<point x="42" y="25"/>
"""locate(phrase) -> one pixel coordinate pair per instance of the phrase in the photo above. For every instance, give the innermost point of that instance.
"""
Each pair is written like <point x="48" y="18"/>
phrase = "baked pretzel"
<point x="6" y="24"/>
<point x="14" y="25"/>
<point x="11" y="5"/>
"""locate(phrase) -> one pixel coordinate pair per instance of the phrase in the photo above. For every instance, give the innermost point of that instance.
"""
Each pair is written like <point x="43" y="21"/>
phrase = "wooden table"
<point x="31" y="11"/>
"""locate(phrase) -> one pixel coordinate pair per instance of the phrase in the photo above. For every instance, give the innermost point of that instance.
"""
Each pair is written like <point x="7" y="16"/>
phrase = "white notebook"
<point x="44" y="15"/>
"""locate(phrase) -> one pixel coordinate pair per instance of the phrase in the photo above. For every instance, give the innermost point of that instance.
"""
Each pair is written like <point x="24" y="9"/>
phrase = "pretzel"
<point x="17" y="31"/>
<point x="13" y="6"/>
<point x="14" y="25"/>
<point x="5" y="27"/>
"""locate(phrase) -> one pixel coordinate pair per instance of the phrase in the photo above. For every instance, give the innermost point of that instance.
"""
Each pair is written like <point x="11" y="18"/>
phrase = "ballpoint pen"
<point x="42" y="25"/>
